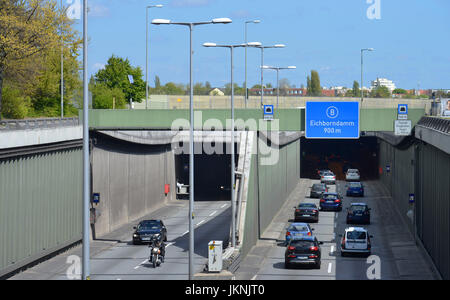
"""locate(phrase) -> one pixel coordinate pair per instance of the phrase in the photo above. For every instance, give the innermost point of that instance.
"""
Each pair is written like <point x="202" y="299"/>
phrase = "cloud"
<point x="98" y="66"/>
<point x="189" y="3"/>
<point x="98" y="10"/>
<point x="240" y="14"/>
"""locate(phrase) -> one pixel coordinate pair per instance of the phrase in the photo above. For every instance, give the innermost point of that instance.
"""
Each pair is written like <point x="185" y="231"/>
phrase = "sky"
<point x="410" y="38"/>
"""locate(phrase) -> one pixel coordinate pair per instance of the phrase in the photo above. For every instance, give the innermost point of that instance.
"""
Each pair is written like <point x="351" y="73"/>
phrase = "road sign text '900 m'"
<point x="332" y="120"/>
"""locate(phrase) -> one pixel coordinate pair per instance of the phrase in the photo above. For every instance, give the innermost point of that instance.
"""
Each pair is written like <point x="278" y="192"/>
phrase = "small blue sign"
<point x="332" y="120"/>
<point x="403" y="109"/>
<point x="268" y="110"/>
<point x="388" y="168"/>
<point x="411" y="198"/>
<point x="96" y="198"/>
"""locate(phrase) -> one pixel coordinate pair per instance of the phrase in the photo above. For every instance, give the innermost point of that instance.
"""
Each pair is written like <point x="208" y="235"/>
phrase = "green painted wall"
<point x="40" y="205"/>
<point x="372" y="119"/>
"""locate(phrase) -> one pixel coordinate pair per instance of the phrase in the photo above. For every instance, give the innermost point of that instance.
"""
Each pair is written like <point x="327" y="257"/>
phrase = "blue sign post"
<point x="332" y="120"/>
<point x="268" y="112"/>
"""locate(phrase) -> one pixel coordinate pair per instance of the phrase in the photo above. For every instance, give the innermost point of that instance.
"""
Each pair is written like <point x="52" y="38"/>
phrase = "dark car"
<point x="317" y="190"/>
<point x="358" y="213"/>
<point x="147" y="229"/>
<point x="306" y="212"/>
<point x="330" y="201"/>
<point x="303" y="250"/>
<point x="355" y="189"/>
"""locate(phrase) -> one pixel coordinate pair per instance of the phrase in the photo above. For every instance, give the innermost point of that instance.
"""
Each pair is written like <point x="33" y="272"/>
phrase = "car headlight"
<point x="135" y="235"/>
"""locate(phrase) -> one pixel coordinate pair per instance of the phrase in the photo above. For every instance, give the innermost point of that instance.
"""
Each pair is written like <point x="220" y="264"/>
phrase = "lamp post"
<point x="245" y="83"/>
<point x="278" y="71"/>
<point x="259" y="45"/>
<point x="62" y="62"/>
<point x="146" y="51"/>
<point x="86" y="187"/>
<point x="191" y="140"/>
<point x="362" y="92"/>
<point x="233" y="176"/>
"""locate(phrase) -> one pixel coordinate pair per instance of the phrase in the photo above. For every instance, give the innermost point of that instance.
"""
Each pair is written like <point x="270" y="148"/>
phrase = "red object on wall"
<point x="166" y="189"/>
<point x="381" y="170"/>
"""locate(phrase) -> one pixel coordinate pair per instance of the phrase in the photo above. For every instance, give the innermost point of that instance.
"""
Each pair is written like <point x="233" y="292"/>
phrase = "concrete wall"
<point x="422" y="170"/>
<point x="130" y="179"/>
<point x="269" y="187"/>
<point x="40" y="204"/>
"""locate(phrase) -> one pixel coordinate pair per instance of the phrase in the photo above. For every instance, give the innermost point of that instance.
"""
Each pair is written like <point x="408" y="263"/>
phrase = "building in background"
<point x="383" y="82"/>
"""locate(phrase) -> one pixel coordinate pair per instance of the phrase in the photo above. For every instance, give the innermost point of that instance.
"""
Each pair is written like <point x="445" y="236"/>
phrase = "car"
<point x="358" y="213"/>
<point x="298" y="229"/>
<point x="306" y="212"/>
<point x="317" y="190"/>
<point x="355" y="189"/>
<point x="356" y="240"/>
<point x="330" y="201"/>
<point x="304" y="250"/>
<point x="146" y="229"/>
<point x="321" y="171"/>
<point x="328" y="177"/>
<point x="352" y="175"/>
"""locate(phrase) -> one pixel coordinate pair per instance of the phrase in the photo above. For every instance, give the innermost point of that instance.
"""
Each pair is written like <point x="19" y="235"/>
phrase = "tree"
<point x="157" y="82"/>
<point x="115" y="75"/>
<point x="399" y="91"/>
<point x="356" y="91"/>
<point x="28" y="27"/>
<point x="104" y="97"/>
<point x="313" y="84"/>
<point x="380" y="92"/>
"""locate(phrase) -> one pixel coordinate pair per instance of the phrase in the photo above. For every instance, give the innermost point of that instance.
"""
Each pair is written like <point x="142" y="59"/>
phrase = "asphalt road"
<point x="399" y="257"/>
<point x="124" y="261"/>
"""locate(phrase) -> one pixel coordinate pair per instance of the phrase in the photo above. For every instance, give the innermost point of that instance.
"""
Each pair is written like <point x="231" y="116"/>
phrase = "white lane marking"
<point x="169" y="244"/>
<point x="137" y="267"/>
<point x="254" y="277"/>
<point x="223" y="205"/>
<point x="332" y="249"/>
<point x="212" y="214"/>
<point x="337" y="214"/>
<point x="201" y="222"/>
<point x="329" y="267"/>
<point x="118" y="279"/>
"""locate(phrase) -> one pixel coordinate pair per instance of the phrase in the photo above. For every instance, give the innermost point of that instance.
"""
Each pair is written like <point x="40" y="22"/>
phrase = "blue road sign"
<point x="332" y="120"/>
<point x="411" y="198"/>
<point x="403" y="109"/>
<point x="268" y="110"/>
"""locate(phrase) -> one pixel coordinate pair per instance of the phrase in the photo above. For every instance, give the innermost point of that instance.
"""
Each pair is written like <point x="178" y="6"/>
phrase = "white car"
<point x="328" y="177"/>
<point x="352" y="175"/>
<point x="356" y="240"/>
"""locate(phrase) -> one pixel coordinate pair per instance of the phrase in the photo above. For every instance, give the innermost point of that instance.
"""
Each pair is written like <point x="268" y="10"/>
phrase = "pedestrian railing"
<point x="37" y="123"/>
<point x="439" y="124"/>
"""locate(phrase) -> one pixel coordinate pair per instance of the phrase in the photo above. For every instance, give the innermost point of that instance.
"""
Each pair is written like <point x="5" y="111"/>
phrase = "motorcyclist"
<point x="157" y="242"/>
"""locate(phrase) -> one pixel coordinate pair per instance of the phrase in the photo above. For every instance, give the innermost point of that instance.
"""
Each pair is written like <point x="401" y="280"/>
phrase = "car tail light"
<point x="337" y="201"/>
<point x="288" y="233"/>
<point x="297" y="210"/>
<point x="314" y="211"/>
<point x="334" y="177"/>
<point x="314" y="248"/>
<point x="291" y="248"/>
<point x="322" y="200"/>
<point x="292" y="256"/>
<point x="309" y="233"/>
<point x="313" y="256"/>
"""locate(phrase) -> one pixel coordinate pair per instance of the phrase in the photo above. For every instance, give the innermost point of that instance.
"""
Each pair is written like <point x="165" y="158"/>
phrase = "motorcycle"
<point x="155" y="253"/>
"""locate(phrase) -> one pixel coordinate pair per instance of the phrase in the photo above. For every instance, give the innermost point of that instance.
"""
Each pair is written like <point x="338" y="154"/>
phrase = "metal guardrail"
<point x="442" y="125"/>
<point x="38" y="123"/>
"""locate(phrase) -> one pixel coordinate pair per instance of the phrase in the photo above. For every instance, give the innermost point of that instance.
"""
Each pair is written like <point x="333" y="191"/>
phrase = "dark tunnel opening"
<point x="212" y="173"/>
<point x="338" y="156"/>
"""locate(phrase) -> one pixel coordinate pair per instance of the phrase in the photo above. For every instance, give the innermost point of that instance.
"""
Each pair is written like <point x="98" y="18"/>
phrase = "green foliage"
<point x="399" y="91"/>
<point x="313" y="84"/>
<point x="380" y="92"/>
<point x="15" y="105"/>
<point x="356" y="91"/>
<point x="104" y="97"/>
<point x="115" y="75"/>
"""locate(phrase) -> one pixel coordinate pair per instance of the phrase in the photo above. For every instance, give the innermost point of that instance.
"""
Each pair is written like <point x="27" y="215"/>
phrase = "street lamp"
<point x="233" y="179"/>
<point x="86" y="186"/>
<point x="362" y="92"/>
<point x="146" y="51"/>
<point x="278" y="71"/>
<point x="259" y="45"/>
<point x="245" y="83"/>
<point x="191" y="141"/>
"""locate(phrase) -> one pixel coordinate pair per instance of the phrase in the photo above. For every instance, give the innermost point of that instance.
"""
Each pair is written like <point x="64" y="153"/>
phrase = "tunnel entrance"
<point x="338" y="156"/>
<point x="212" y="173"/>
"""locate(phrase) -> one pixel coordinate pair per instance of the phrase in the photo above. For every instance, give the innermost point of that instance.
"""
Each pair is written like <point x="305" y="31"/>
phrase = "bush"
<point x="102" y="97"/>
<point x="14" y="105"/>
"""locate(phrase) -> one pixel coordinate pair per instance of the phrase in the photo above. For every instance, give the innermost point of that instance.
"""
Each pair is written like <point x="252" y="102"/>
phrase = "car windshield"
<point x="353" y="171"/>
<point x="298" y="228"/>
<point x="355" y="184"/>
<point x="149" y="226"/>
<point x="328" y="174"/>
<point x="358" y="208"/>
<point x="356" y="235"/>
<point x="330" y="197"/>
<point x="307" y="205"/>
<point x="302" y="244"/>
<point x="318" y="187"/>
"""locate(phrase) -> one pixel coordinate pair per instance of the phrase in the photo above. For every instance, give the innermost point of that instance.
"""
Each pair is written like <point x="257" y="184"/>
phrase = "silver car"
<point x="352" y="175"/>
<point x="328" y="178"/>
<point x="356" y="240"/>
